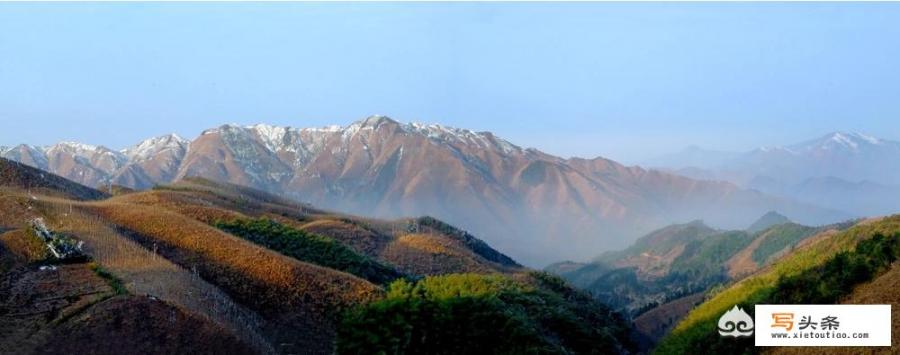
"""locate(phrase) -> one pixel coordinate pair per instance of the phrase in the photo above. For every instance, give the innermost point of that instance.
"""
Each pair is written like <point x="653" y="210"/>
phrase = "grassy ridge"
<point x="308" y="247"/>
<point x="704" y="259"/>
<point x="247" y="270"/>
<point x="779" y="238"/>
<point x="700" y="266"/>
<point x="438" y="249"/>
<point x="19" y="175"/>
<point x="836" y="278"/>
<point x="489" y="314"/>
<point x="823" y="272"/>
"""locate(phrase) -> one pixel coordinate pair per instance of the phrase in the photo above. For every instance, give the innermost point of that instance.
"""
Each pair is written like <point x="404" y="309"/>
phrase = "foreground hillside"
<point x="380" y="167"/>
<point x="243" y="271"/>
<point x="851" y="266"/>
<point x="660" y="278"/>
<point x="681" y="260"/>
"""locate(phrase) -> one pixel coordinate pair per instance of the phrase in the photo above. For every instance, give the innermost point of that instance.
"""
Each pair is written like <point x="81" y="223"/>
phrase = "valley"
<point x="253" y="272"/>
<point x="266" y="274"/>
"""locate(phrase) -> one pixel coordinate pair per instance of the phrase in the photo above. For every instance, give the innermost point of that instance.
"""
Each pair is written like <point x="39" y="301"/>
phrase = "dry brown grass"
<point x="657" y="322"/>
<point x="144" y="272"/>
<point x="243" y="199"/>
<point x="362" y="240"/>
<point x="424" y="254"/>
<point x="24" y="245"/>
<point x="16" y="208"/>
<point x="250" y="270"/>
<point x="429" y="253"/>
<point x="299" y="301"/>
<point x="31" y="301"/>
<point x="159" y="242"/>
<point x="36" y="181"/>
<point x="742" y="263"/>
<point x="137" y="323"/>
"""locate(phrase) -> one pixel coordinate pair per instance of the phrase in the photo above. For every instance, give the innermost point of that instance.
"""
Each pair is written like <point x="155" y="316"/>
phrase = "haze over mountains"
<point x="852" y="172"/>
<point x="530" y="204"/>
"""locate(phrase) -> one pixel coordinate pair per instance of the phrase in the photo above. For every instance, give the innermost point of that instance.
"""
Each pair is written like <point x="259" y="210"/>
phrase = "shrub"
<point x="490" y="314"/>
<point x="308" y="247"/>
<point x="836" y="278"/>
<point x="822" y="274"/>
<point x="111" y="279"/>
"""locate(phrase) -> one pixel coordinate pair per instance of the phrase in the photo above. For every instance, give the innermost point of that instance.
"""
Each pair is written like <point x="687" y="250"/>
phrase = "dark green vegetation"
<point x="110" y="279"/>
<point x="703" y="261"/>
<point x="683" y="259"/>
<point x="667" y="264"/>
<point x="836" y="278"/>
<point x="309" y="247"/>
<point x="822" y="273"/>
<point x="661" y="241"/>
<point x="482" y="314"/>
<point x="780" y="238"/>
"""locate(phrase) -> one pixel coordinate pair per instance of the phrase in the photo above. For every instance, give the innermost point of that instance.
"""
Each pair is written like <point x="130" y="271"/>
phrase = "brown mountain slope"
<point x="414" y="246"/>
<point x="17" y="175"/>
<point x="133" y="322"/>
<point x="528" y="203"/>
<point x="299" y="298"/>
<point x="235" y="266"/>
<point x="654" y="324"/>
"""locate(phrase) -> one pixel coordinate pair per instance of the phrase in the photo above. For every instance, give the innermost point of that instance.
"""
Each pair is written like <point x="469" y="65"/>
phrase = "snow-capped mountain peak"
<point x="853" y="139"/>
<point x="271" y="136"/>
<point x="150" y="147"/>
<point x="840" y="141"/>
<point x="86" y="151"/>
<point x="74" y="147"/>
<point x="441" y="133"/>
<point x="326" y="129"/>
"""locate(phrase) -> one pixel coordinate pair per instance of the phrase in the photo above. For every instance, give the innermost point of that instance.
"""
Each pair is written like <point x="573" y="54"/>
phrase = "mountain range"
<point x="528" y="203"/>
<point x="847" y="171"/>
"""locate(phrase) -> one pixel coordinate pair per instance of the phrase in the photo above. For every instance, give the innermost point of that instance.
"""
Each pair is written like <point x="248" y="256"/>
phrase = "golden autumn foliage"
<point x="248" y="269"/>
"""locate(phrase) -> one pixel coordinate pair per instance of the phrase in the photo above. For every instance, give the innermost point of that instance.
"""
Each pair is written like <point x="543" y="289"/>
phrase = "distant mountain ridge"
<point x="845" y="155"/>
<point x="852" y="172"/>
<point x="769" y="219"/>
<point x="531" y="204"/>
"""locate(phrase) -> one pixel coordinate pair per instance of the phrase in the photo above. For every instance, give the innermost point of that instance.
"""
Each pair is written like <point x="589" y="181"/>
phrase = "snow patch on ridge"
<point x="841" y="139"/>
<point x="150" y="147"/>
<point x="445" y="134"/>
<point x="271" y="136"/>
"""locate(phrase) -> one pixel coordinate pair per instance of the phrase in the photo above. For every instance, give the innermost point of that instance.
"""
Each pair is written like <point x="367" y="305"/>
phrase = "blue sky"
<point x="624" y="81"/>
